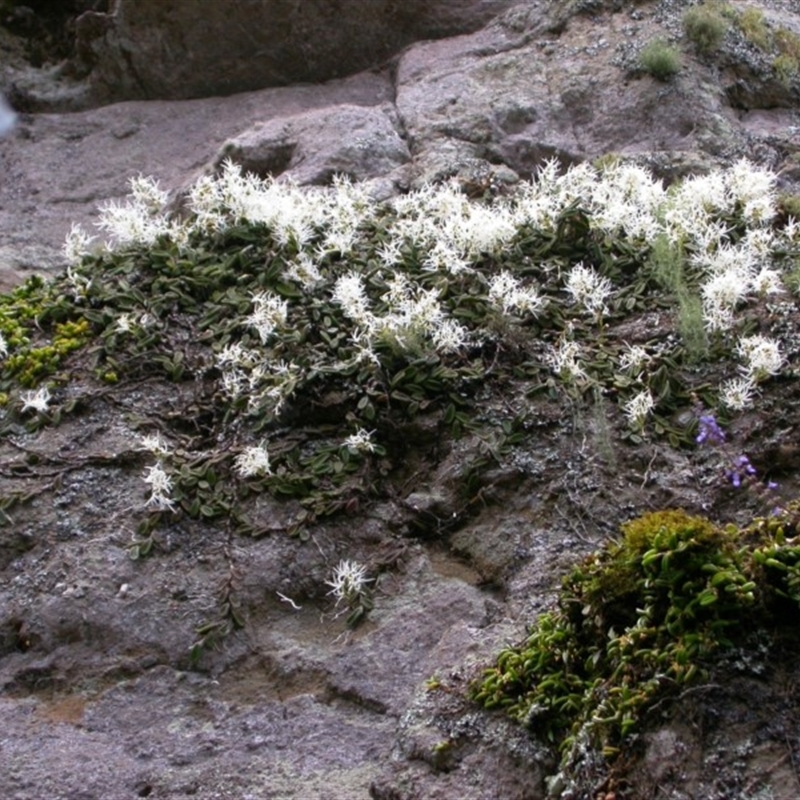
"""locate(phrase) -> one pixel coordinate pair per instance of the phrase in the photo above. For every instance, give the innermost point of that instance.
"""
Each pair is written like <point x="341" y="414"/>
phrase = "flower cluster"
<point x="762" y="358"/>
<point x="739" y="470"/>
<point x="160" y="487"/>
<point x="264" y="384"/>
<point x="508" y="295"/>
<point x="638" y="407"/>
<point x="413" y="317"/>
<point x="153" y="443"/>
<point x="360" y="441"/>
<point x="140" y="221"/>
<point x="396" y="291"/>
<point x="253" y="461"/>
<point x="564" y="360"/>
<point x="348" y="582"/>
<point x="589" y="289"/>
<point x="269" y="313"/>
<point x="36" y="401"/>
<point x="76" y="245"/>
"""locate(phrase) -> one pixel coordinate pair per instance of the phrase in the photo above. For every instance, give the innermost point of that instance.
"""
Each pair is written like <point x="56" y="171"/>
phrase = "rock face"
<point x="93" y="648"/>
<point x="57" y="169"/>
<point x="196" y="48"/>
<point x="360" y="142"/>
<point x="534" y="83"/>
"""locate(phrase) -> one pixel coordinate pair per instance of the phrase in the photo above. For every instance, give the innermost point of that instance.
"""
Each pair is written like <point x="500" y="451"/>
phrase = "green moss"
<point x="30" y="364"/>
<point x="639" y="620"/>
<point x="41" y="326"/>
<point x="660" y="59"/>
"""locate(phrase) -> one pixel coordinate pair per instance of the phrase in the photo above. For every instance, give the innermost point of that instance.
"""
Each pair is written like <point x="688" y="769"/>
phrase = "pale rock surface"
<point x="360" y="142"/>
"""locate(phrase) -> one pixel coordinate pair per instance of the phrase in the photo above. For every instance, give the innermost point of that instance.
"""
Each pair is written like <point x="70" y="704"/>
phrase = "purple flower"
<point x="709" y="430"/>
<point x="742" y="466"/>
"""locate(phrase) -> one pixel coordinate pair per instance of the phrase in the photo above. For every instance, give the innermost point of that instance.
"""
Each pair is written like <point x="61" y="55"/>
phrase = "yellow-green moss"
<point x="30" y="364"/>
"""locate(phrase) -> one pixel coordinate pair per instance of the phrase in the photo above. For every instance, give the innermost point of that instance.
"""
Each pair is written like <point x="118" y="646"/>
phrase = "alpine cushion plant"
<point x="277" y="307"/>
<point x="430" y="275"/>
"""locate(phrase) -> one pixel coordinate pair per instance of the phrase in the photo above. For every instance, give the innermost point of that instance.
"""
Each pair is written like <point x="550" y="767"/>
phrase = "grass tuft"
<point x="661" y="60"/>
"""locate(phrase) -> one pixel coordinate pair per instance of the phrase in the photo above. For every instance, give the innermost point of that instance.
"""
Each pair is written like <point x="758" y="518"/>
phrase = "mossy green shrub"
<point x="787" y="63"/>
<point x="754" y="26"/>
<point x="780" y="42"/>
<point x="786" y="69"/>
<point x="660" y="59"/>
<point x="641" y="620"/>
<point x="705" y="27"/>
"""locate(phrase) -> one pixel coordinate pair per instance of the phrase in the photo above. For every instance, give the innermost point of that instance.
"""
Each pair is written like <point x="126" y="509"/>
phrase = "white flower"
<point x="390" y="253"/>
<point x="235" y="355"/>
<point x="160" y="486"/>
<point x="763" y="357"/>
<point x="304" y="271"/>
<point x="79" y="283"/>
<point x="737" y="394"/>
<point x="564" y="360"/>
<point x="364" y="351"/>
<point x="507" y="294"/>
<point x="766" y="282"/>
<point x="792" y="230"/>
<point x="349" y="293"/>
<point x="361" y="441"/>
<point x="348" y="581"/>
<point x="444" y="256"/>
<point x="414" y="315"/>
<point x="269" y="313"/>
<point x="233" y="383"/>
<point x="638" y="407"/>
<point x="252" y="461"/>
<point x="634" y="358"/>
<point x="726" y="289"/>
<point x="147" y="194"/>
<point x="76" y="245"/>
<point x="153" y="443"/>
<point x="717" y="318"/>
<point x="589" y="289"/>
<point x="131" y="224"/>
<point x="448" y="336"/>
<point x="36" y="401"/>
<point x="124" y="323"/>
